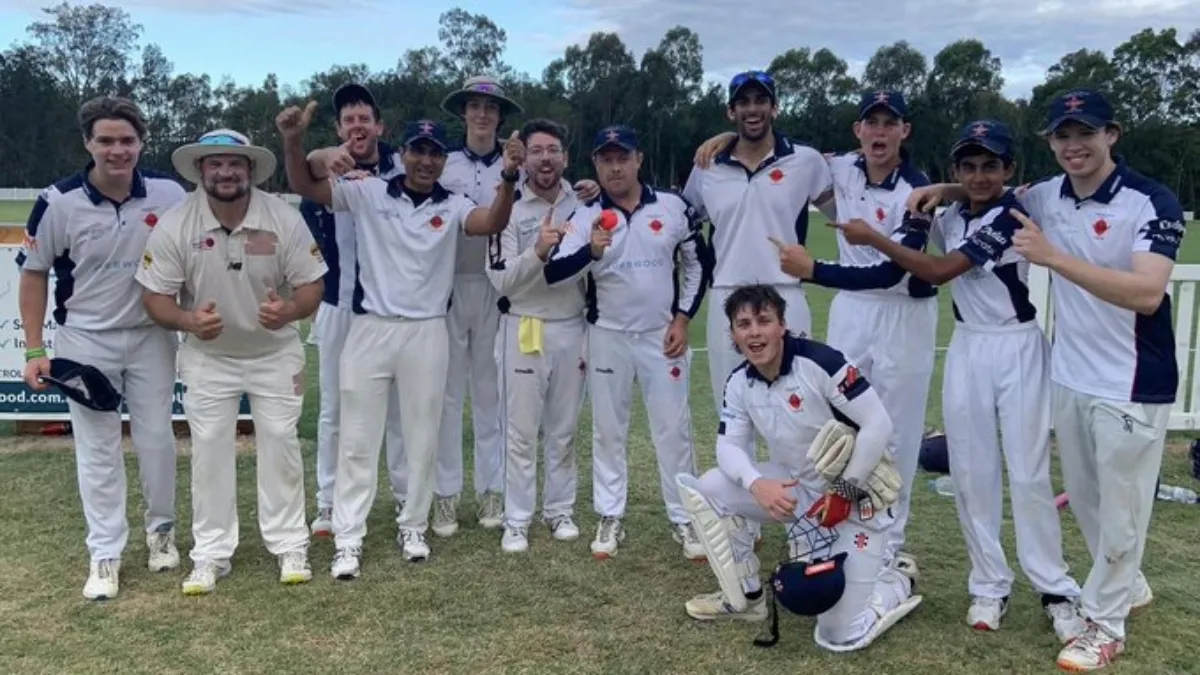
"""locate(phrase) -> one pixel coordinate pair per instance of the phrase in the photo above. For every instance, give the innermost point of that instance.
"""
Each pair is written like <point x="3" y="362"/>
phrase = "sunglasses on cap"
<point x="220" y="139"/>
<point x="752" y="76"/>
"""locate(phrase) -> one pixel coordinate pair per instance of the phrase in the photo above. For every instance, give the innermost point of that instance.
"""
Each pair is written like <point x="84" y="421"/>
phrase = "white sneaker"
<point x="346" y="562"/>
<point x="491" y="510"/>
<point x="322" y="525"/>
<point x="160" y="545"/>
<point x="445" y="516"/>
<point x="1064" y="615"/>
<point x="563" y="528"/>
<point x="684" y="533"/>
<point x="515" y="539"/>
<point x="1093" y="650"/>
<point x="985" y="613"/>
<point x="1141" y="596"/>
<point x="203" y="579"/>
<point x="294" y="567"/>
<point x="715" y="607"/>
<point x="609" y="533"/>
<point x="102" y="582"/>
<point x="412" y="544"/>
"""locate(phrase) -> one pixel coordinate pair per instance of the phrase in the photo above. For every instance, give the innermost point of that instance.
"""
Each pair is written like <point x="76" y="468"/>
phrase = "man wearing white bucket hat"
<point x="245" y="268"/>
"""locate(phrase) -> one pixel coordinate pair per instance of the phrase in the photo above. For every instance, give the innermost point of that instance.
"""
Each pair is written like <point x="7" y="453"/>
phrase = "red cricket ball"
<point x="608" y="220"/>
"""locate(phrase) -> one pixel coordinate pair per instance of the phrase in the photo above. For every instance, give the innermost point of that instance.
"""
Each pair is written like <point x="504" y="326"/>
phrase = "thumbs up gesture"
<point x="293" y="121"/>
<point x="549" y="236"/>
<point x="514" y="153"/>
<point x="204" y="322"/>
<point x="1029" y="241"/>
<point x="275" y="312"/>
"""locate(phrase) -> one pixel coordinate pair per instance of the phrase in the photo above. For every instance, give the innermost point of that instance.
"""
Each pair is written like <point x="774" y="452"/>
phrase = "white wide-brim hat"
<point x="482" y="85"/>
<point x="223" y="142"/>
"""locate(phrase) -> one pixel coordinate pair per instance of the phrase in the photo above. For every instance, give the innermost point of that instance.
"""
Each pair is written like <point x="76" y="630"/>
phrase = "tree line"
<point x="75" y="52"/>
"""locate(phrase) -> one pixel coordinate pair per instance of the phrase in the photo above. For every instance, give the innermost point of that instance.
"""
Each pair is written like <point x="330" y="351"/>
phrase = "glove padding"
<point x="883" y="485"/>
<point x="830" y="510"/>
<point x="830" y="451"/>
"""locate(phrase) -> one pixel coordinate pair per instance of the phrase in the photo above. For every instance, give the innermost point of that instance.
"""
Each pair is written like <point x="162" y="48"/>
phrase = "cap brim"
<point x="351" y="92"/>
<point x="100" y="395"/>
<point x="1090" y="120"/>
<point x="751" y="83"/>
<point x="413" y="141"/>
<point x="184" y="160"/>
<point x="615" y="144"/>
<point x="886" y="106"/>
<point x="990" y="144"/>
<point x="456" y="103"/>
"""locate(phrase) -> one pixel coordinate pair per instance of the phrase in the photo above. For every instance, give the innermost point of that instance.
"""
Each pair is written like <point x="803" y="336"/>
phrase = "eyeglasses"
<point x="539" y="151"/>
<point x="220" y="139"/>
<point x="752" y="76"/>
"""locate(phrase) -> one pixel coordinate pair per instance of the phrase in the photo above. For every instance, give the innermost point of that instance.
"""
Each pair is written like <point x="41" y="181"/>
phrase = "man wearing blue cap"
<point x="1110" y="241"/>
<point x="407" y="230"/>
<point x="822" y="476"/>
<point x="996" y="375"/>
<point x="631" y="242"/>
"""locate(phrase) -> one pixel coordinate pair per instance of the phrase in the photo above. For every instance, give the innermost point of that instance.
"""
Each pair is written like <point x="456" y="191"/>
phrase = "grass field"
<point x="14" y="212"/>
<point x="472" y="609"/>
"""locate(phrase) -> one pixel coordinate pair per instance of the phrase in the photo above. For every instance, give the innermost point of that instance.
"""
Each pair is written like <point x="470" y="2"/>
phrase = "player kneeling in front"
<point x="798" y="394"/>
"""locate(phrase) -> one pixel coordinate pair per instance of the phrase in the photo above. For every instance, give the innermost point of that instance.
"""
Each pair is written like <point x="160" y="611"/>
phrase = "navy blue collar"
<point x="892" y="179"/>
<point x="783" y="148"/>
<point x="137" y="190"/>
<point x="395" y="189"/>
<point x="387" y="157"/>
<point x="649" y="196"/>
<point x="1007" y="199"/>
<point x="488" y="159"/>
<point x="1107" y="190"/>
<point x="791" y="347"/>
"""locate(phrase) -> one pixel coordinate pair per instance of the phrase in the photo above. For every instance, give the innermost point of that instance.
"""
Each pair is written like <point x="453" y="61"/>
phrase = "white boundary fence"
<point x="1185" y="414"/>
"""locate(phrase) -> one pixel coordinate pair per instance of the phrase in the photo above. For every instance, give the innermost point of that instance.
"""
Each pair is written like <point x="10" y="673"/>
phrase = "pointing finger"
<point x="1024" y="220"/>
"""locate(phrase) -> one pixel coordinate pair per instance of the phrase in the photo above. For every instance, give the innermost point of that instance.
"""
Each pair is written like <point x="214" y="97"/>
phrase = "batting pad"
<point x="882" y="623"/>
<point x="718" y="546"/>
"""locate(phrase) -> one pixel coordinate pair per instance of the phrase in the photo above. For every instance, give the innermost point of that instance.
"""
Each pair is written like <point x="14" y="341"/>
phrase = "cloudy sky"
<point x="246" y="39"/>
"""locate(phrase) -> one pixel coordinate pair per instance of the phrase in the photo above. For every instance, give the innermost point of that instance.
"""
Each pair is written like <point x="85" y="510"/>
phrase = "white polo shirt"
<point x="476" y="177"/>
<point x="94" y="246"/>
<point x="191" y="254"/>
<point x="1100" y="349"/>
<point x="334" y="233"/>
<point x="746" y="207"/>
<point x="814" y="384"/>
<point x="633" y="287"/>
<point x="995" y="291"/>
<point x="862" y="268"/>
<point x="514" y="268"/>
<point x="405" y="251"/>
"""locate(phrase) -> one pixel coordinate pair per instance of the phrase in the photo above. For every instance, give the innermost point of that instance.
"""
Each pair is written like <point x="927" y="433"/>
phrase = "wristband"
<point x="510" y="178"/>
<point x="37" y="353"/>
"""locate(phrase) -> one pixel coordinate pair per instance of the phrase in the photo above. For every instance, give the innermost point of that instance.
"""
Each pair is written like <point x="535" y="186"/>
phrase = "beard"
<point x="215" y="191"/>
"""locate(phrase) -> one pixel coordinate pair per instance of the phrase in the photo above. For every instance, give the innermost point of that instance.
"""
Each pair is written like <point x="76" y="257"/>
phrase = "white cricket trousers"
<point x="999" y="376"/>
<point x="274" y="385"/>
<point x="331" y="326"/>
<point x="384" y="357"/>
<point x="615" y="360"/>
<point x="140" y="363"/>
<point x="723" y="356"/>
<point x="891" y="338"/>
<point x="542" y="390"/>
<point x="866" y="573"/>
<point x="473" y="321"/>
<point x="1111" y="453"/>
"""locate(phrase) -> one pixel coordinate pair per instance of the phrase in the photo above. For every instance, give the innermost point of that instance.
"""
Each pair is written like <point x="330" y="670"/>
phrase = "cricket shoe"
<point x="412" y="545"/>
<point x="715" y="607"/>
<point x="102" y="582"/>
<point x="294" y="568"/>
<point x="1065" y="616"/>
<point x="204" y="576"/>
<point x="491" y="510"/>
<point x="322" y="525"/>
<point x="693" y="549"/>
<point x="515" y="539"/>
<point x="1141" y="596"/>
<point x="160" y="545"/>
<point x="609" y="534"/>
<point x="347" y="562"/>
<point x="445" y="516"/>
<point x="563" y="528"/>
<point x="1093" y="650"/>
<point x="986" y="613"/>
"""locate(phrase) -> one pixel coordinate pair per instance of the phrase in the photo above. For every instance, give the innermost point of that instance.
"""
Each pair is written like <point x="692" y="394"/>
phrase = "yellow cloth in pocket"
<point x="529" y="335"/>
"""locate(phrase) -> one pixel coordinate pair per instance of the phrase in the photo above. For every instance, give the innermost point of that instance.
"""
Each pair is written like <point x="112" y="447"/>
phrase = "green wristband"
<point x="31" y="354"/>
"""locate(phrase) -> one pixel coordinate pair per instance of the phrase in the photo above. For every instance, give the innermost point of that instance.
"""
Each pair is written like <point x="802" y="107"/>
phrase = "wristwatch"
<point x="510" y="177"/>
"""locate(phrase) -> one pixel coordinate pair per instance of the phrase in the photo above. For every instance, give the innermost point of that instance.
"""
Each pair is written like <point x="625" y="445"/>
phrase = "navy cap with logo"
<point x="84" y="384"/>
<point x="1081" y="105"/>
<point x="751" y="78"/>
<point x="990" y="135"/>
<point x="892" y="101"/>
<point x="425" y="130"/>
<point x="351" y="93"/>
<point x="618" y="136"/>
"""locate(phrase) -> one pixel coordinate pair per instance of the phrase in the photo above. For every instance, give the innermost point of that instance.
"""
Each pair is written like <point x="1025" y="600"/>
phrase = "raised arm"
<point x="488" y="221"/>
<point x="292" y="123"/>
<point x="933" y="269"/>
<point x="509" y="268"/>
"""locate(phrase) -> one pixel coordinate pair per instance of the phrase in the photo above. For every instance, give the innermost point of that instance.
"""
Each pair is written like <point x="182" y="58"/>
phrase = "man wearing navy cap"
<point x="359" y="127"/>
<point x="639" y="316"/>
<point x="996" y="375"/>
<point x="1109" y="237"/>
<point x="407" y="231"/>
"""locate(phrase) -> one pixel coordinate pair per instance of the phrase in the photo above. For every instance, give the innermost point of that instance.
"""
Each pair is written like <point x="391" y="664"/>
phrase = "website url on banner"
<point x="25" y="396"/>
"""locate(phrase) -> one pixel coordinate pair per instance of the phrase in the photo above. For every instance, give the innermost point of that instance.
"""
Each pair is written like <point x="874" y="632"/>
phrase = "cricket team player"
<point x="540" y="346"/>
<point x="639" y="315"/>
<point x="882" y="319"/>
<point x="234" y="268"/>
<point x="1109" y="237"/>
<point x="407" y="230"/>
<point x="997" y="374"/>
<point x="90" y="229"/>
<point x="801" y="396"/>
<point x="359" y="127"/>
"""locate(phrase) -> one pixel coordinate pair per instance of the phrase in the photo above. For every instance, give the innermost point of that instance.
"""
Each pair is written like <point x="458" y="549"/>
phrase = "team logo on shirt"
<point x="1100" y="228"/>
<point x="316" y="253"/>
<point x="151" y="220"/>
<point x="776" y="175"/>
<point x="203" y="244"/>
<point x="436" y="222"/>
<point x="880" y="214"/>
<point x="795" y="402"/>
<point x="656" y="226"/>
<point x="147" y="260"/>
